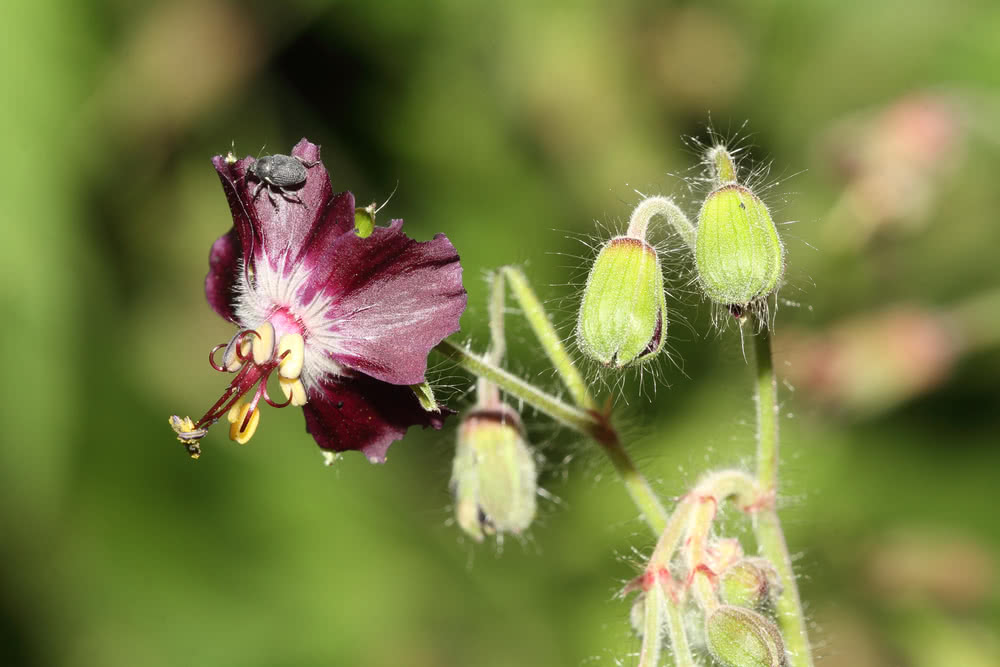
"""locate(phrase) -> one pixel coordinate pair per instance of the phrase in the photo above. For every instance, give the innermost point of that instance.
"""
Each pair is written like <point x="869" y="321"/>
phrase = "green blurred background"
<point x="521" y="130"/>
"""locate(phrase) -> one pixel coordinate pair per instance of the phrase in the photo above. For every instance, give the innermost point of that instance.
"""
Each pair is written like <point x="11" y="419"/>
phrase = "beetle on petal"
<point x="344" y="323"/>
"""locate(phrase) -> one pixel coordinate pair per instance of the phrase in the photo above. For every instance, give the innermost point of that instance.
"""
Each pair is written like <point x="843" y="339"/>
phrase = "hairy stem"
<point x="767" y="527"/>
<point x="589" y="422"/>
<point x="652" y="628"/>
<point x="487" y="392"/>
<point x="651" y="207"/>
<point x="547" y="336"/>
<point x="676" y="634"/>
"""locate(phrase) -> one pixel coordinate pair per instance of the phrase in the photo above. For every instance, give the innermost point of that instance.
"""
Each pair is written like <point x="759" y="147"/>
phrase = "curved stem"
<point x="767" y="527"/>
<point x="735" y="484"/>
<point x="589" y="422"/>
<point x="651" y="207"/>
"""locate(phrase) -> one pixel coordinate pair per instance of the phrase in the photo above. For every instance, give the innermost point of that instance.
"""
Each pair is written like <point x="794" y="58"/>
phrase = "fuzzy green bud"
<point x="738" y="637"/>
<point x="494" y="477"/>
<point x="746" y="583"/>
<point x="739" y="256"/>
<point x="623" y="315"/>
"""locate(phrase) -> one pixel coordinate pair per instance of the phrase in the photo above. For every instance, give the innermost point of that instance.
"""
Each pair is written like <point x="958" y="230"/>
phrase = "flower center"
<point x="252" y="355"/>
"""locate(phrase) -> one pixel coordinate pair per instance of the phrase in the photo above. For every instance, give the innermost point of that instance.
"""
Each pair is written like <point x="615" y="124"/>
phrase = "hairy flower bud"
<point x="738" y="254"/>
<point x="747" y="583"/>
<point x="623" y="315"/>
<point x="494" y="477"/>
<point x="739" y="637"/>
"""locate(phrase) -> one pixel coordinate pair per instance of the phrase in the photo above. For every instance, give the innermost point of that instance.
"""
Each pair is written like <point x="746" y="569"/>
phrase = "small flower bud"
<point x="746" y="583"/>
<point x="494" y="477"/>
<point x="739" y="256"/>
<point x="623" y="315"/>
<point x="739" y="637"/>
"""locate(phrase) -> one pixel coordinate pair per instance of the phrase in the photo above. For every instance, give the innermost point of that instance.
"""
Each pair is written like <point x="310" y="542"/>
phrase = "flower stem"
<point x="487" y="393"/>
<point x="589" y="422"/>
<point x="547" y="336"/>
<point x="767" y="527"/>
<point x="676" y="633"/>
<point x="652" y="628"/>
<point x="649" y="208"/>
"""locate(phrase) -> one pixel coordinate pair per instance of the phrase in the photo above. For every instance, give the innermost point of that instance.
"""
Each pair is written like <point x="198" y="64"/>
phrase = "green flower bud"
<point x="739" y="256"/>
<point x="746" y="583"/>
<point x="494" y="477"/>
<point x="739" y="637"/>
<point x="623" y="316"/>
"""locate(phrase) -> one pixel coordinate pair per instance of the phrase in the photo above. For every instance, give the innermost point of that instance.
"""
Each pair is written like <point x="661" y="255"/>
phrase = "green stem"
<point x="651" y="207"/>
<point x="767" y="527"/>
<point x="652" y="628"/>
<point x="487" y="394"/>
<point x="767" y="413"/>
<point x="676" y="634"/>
<point x="547" y="336"/>
<point x="588" y="422"/>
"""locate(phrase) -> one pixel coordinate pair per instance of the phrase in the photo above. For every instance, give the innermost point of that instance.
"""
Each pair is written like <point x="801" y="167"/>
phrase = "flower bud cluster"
<point x="739" y="262"/>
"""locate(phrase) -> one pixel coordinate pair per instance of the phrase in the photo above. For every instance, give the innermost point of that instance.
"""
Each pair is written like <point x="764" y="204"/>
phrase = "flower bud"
<point x="746" y="583"/>
<point x="494" y="477"/>
<point x="623" y="316"/>
<point x="739" y="637"/>
<point x="739" y="256"/>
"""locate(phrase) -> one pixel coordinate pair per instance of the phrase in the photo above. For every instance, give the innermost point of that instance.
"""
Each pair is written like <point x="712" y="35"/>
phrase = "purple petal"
<point x="272" y="225"/>
<point x="223" y="266"/>
<point x="361" y="413"/>
<point x="392" y="300"/>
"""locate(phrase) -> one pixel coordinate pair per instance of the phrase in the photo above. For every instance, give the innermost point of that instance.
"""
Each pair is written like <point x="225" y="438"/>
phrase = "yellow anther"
<point x="237" y="414"/>
<point x="293" y="390"/>
<point x="291" y="366"/>
<point x="232" y="360"/>
<point x="263" y="343"/>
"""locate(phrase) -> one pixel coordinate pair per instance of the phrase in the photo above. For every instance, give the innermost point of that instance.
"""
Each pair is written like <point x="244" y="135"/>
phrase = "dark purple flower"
<point x="346" y="322"/>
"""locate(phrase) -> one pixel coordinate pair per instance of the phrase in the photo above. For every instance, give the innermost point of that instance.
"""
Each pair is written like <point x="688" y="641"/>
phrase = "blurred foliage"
<point x="513" y="128"/>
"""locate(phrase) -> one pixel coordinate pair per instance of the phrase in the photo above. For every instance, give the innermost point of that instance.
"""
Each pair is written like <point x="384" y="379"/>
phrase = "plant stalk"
<point x="588" y="422"/>
<point x="767" y="527"/>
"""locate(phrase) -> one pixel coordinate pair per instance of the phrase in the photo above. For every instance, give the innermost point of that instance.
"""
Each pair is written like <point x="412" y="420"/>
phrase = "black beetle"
<point x="281" y="172"/>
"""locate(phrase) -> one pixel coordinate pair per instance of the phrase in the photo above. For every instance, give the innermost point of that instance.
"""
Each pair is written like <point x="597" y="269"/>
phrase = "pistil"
<point x="252" y="355"/>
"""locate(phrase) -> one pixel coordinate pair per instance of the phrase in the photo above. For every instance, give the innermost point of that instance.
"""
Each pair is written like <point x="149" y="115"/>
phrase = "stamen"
<point x="291" y="351"/>
<point x="243" y="420"/>
<point x="292" y="389"/>
<point x="251" y="356"/>
<point x="263" y="343"/>
<point x="238" y="351"/>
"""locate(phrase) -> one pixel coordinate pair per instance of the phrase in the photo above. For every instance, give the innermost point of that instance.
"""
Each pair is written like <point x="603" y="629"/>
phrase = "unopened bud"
<point x="746" y="583"/>
<point x="739" y="256"/>
<point x="623" y="316"/>
<point x="494" y="477"/>
<point x="738" y="637"/>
